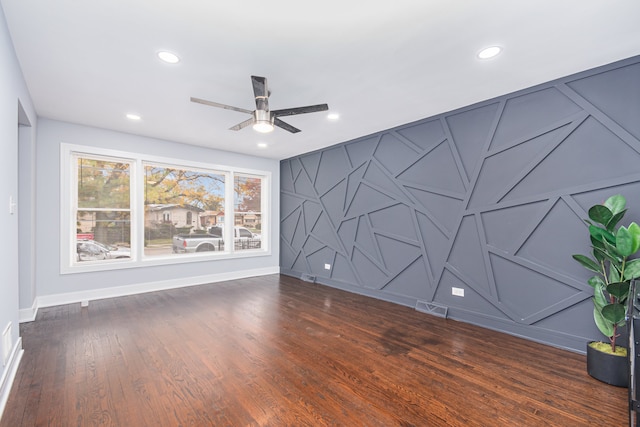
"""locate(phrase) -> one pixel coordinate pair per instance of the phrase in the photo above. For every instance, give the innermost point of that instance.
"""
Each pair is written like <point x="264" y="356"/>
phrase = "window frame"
<point x="68" y="205"/>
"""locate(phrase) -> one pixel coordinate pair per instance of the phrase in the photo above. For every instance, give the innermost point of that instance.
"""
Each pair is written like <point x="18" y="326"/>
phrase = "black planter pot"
<point x="608" y="368"/>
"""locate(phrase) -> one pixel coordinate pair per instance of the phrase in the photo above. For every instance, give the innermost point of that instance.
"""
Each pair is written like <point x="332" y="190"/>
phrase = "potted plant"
<point x="612" y="246"/>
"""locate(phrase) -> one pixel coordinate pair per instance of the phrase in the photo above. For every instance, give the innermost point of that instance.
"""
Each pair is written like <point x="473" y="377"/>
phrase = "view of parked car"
<point x="91" y="250"/>
<point x="213" y="240"/>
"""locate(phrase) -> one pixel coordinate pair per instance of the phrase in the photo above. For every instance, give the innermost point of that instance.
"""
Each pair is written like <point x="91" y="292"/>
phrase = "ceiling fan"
<point x="263" y="119"/>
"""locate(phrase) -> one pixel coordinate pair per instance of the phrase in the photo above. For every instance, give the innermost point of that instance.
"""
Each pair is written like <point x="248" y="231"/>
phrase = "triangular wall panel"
<point x="470" y="130"/>
<point x="612" y="93"/>
<point x="578" y="161"/>
<point x="425" y="135"/>
<point x="531" y="113"/>
<point x="437" y="169"/>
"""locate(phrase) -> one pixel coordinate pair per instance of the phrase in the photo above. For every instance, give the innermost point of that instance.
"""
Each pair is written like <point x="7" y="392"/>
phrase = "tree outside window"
<point x="103" y="208"/>
<point x="247" y="211"/>
<point x="179" y="194"/>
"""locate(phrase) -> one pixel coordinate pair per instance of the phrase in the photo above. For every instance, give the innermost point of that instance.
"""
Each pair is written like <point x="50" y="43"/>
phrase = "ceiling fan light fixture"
<point x="263" y="126"/>
<point x="262" y="121"/>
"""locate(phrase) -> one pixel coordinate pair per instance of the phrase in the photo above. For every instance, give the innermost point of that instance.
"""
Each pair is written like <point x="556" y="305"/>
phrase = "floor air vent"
<point x="432" y="308"/>
<point x="308" y="278"/>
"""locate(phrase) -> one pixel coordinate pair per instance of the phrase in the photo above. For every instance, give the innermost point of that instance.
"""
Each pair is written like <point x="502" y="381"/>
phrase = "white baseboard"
<point x="28" y="314"/>
<point x="9" y="374"/>
<point x="96" y="294"/>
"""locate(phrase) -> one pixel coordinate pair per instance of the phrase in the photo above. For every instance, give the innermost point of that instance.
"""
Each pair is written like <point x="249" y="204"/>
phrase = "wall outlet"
<point x="327" y="266"/>
<point x="459" y="292"/>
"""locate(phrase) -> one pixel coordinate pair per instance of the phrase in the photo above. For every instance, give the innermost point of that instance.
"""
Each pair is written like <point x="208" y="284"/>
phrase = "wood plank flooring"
<point x="276" y="351"/>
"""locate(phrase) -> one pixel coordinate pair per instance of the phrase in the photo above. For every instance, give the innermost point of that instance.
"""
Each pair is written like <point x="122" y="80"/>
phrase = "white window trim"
<point x="68" y="201"/>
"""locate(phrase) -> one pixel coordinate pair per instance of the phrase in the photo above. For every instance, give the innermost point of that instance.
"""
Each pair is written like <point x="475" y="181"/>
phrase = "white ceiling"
<point x="377" y="63"/>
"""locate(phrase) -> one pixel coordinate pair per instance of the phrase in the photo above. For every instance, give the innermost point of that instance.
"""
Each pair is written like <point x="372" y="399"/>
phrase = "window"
<point x="173" y="196"/>
<point x="247" y="203"/>
<point x="103" y="207"/>
<point x="128" y="210"/>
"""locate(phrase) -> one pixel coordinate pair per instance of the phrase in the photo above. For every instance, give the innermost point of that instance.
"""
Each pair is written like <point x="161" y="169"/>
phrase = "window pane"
<point x="103" y="235"/>
<point x="103" y="216"/>
<point x="103" y="184"/>
<point x="247" y="214"/>
<point x="181" y="202"/>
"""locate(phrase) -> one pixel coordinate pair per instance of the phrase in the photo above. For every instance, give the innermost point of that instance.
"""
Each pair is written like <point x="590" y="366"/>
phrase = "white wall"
<point x="13" y="92"/>
<point x="55" y="288"/>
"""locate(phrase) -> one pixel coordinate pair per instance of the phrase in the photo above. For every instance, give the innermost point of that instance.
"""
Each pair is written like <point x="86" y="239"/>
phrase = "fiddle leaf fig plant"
<point x="611" y="245"/>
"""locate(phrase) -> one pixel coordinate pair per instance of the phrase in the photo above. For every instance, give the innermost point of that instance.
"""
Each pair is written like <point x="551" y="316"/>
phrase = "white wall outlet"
<point x="327" y="266"/>
<point x="84" y="303"/>
<point x="459" y="292"/>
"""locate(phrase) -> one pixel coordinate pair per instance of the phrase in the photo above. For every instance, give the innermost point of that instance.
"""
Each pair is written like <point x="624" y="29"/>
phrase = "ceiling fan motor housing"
<point x="262" y="116"/>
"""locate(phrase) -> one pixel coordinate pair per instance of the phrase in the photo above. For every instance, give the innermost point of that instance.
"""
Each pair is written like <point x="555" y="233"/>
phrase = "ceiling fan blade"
<point x="216" y="104"/>
<point x="300" y="110"/>
<point x="259" y="86"/>
<point x="242" y="125"/>
<point x="285" y="126"/>
<point x="260" y="92"/>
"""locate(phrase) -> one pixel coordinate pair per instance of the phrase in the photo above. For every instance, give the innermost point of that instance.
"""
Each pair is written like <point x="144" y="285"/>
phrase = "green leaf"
<point x="596" y="243"/>
<point x="634" y="230"/>
<point x="632" y="269"/>
<point x="624" y="241"/>
<point x="615" y="220"/>
<point x="599" y="254"/>
<point x="600" y="214"/>
<point x="599" y="298"/>
<point x="602" y="255"/>
<point x="596" y="282"/>
<point x="613" y="313"/>
<point x="614" y="274"/>
<point x="618" y="289"/>
<point x="601" y="234"/>
<point x="587" y="263"/>
<point x="616" y="203"/>
<point x="613" y="253"/>
<point x="603" y="324"/>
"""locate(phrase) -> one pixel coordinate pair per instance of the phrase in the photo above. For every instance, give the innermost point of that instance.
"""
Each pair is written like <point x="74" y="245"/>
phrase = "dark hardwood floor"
<point x="276" y="351"/>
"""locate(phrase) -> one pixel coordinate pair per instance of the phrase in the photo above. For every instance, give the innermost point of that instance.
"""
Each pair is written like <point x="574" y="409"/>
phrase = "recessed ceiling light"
<point x="262" y="145"/>
<point x="333" y="116"/>
<point x="131" y="116"/>
<point x="489" y="52"/>
<point x="168" y="57"/>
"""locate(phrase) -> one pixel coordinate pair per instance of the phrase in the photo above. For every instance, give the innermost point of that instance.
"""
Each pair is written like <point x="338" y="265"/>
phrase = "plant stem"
<point x="613" y="338"/>
<point x="605" y="276"/>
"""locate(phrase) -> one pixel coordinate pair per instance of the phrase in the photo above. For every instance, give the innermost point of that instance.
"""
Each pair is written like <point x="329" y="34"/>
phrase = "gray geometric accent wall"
<point x="489" y="198"/>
